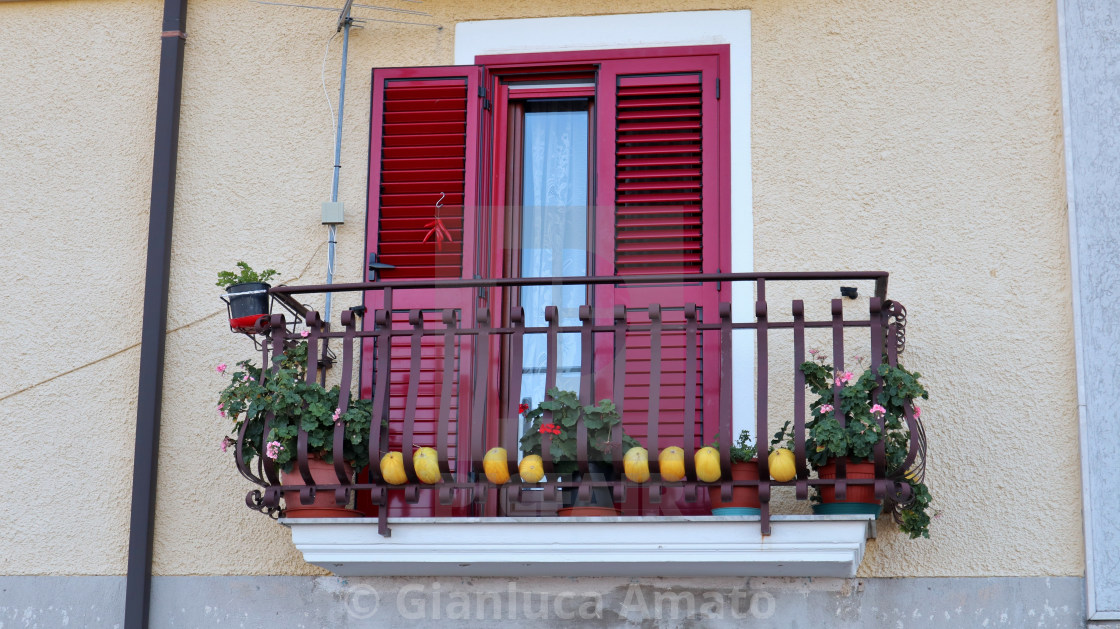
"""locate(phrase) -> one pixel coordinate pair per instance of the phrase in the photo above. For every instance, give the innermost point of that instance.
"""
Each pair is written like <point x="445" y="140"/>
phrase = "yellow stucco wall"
<point x="920" y="138"/>
<point x="77" y="119"/>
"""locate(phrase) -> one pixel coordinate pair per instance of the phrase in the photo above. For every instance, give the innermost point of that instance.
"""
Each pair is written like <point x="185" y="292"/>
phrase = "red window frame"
<point x="483" y="233"/>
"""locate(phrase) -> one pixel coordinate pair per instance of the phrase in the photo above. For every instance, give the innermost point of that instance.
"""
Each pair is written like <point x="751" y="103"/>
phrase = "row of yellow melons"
<point x="635" y="464"/>
<point x="706" y="459"/>
<point x="425" y="462"/>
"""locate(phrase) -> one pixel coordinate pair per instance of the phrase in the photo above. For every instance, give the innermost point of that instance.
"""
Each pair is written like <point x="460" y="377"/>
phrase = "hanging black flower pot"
<point x="247" y="303"/>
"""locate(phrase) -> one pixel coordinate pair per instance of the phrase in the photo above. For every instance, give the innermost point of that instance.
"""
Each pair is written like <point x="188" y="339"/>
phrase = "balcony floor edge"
<point x="799" y="546"/>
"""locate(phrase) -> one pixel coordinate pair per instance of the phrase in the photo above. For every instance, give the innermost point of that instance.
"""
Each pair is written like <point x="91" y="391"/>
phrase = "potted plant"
<point x="744" y="466"/>
<point x="827" y="441"/>
<point x="295" y="404"/>
<point x="601" y="419"/>
<point x="246" y="294"/>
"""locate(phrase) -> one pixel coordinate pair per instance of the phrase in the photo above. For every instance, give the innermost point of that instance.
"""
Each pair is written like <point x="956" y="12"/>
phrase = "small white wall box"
<point x="333" y="213"/>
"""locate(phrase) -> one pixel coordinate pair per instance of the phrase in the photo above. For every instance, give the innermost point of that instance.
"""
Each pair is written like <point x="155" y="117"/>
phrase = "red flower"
<point x="521" y="408"/>
<point x="549" y="429"/>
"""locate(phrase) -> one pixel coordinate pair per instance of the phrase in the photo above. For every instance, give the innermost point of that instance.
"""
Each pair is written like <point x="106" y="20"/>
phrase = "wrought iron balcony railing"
<point x="669" y="364"/>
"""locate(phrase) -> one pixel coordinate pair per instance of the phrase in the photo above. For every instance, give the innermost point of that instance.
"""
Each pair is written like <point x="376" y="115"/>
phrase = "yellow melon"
<point x="392" y="468"/>
<point x="636" y="465"/>
<point x="531" y="468"/>
<point x="707" y="464"/>
<point x="426" y="463"/>
<point x="671" y="461"/>
<point x="782" y="465"/>
<point x="495" y="466"/>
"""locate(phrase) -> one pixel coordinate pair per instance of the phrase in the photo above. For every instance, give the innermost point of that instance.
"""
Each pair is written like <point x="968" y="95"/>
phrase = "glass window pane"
<point x="553" y="233"/>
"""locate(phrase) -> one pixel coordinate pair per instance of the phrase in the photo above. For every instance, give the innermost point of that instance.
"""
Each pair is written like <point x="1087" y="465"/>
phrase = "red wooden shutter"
<point x="662" y="202"/>
<point x="423" y="148"/>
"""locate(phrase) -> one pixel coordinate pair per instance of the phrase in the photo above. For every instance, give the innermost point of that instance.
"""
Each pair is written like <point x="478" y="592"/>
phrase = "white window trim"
<point x="655" y="30"/>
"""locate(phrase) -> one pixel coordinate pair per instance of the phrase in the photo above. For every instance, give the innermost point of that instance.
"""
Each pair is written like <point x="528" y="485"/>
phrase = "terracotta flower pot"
<point x="586" y="511"/>
<point x="324" y="505"/>
<point x="860" y="498"/>
<point x="744" y="500"/>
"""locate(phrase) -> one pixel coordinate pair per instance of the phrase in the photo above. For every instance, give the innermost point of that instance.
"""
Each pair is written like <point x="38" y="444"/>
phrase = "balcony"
<point x="681" y="373"/>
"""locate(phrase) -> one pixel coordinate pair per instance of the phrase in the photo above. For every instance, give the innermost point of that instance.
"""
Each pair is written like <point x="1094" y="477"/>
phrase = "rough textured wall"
<point x="77" y="115"/>
<point x="923" y="139"/>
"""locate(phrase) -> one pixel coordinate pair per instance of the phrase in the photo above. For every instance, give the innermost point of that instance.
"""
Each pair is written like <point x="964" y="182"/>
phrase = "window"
<point x="643" y="137"/>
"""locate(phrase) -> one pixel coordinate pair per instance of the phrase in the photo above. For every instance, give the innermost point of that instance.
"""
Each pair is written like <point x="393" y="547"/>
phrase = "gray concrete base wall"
<point x="280" y="602"/>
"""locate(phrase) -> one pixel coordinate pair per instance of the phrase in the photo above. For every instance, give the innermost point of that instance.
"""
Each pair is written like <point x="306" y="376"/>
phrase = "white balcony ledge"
<point x="799" y="546"/>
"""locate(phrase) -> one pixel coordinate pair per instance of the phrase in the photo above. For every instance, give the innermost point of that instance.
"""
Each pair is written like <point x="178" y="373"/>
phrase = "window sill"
<point x="800" y="546"/>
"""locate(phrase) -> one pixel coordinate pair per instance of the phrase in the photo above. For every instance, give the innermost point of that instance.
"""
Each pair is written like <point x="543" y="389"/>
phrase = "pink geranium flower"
<point x="304" y="333"/>
<point x="844" y="378"/>
<point x="917" y="412"/>
<point x="878" y="410"/>
<point x="226" y="443"/>
<point x="221" y="368"/>
<point x="337" y="414"/>
<point x="272" y="449"/>
<point x="826" y="408"/>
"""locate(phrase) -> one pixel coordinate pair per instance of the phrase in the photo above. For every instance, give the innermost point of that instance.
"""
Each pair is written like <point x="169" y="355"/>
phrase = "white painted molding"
<point x="799" y="546"/>
<point x="1084" y="32"/>
<point x="653" y="30"/>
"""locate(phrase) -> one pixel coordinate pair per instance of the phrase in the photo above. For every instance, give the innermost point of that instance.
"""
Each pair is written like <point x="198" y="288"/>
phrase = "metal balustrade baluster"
<point x="838" y="369"/>
<point x="689" y="432"/>
<point x="762" y="400"/>
<point x="587" y="358"/>
<point x="725" y="384"/>
<point x="514" y="370"/>
<point x="342" y="495"/>
<point x="882" y="485"/>
<point x="653" y="419"/>
<point x="802" y="491"/>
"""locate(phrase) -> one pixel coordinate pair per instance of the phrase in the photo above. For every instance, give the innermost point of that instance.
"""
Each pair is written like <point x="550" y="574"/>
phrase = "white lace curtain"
<point x="554" y="234"/>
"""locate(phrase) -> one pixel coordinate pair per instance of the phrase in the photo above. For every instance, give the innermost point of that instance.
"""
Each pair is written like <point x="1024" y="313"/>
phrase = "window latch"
<point x="483" y="292"/>
<point x="376" y="267"/>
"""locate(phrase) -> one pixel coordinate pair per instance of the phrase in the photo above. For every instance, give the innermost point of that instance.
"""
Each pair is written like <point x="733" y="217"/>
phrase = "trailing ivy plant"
<point x="245" y="276"/>
<point x="567" y="411"/>
<point x="296" y="403"/>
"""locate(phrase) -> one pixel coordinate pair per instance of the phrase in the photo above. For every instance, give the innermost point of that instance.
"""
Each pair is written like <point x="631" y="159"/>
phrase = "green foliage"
<point x="742" y="450"/>
<point x="600" y="419"/>
<point x="296" y="403"/>
<point x="854" y="399"/>
<point x="915" y="516"/>
<point x="245" y="276"/>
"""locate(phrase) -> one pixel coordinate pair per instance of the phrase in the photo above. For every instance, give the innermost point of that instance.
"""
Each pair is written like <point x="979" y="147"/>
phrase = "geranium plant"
<point x="600" y="420"/>
<point x="841" y="393"/>
<point x="295" y="403"/>
<point x="742" y="450"/>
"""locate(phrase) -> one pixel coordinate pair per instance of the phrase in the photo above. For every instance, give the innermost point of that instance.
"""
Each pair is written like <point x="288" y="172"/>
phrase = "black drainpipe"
<point x="138" y="586"/>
